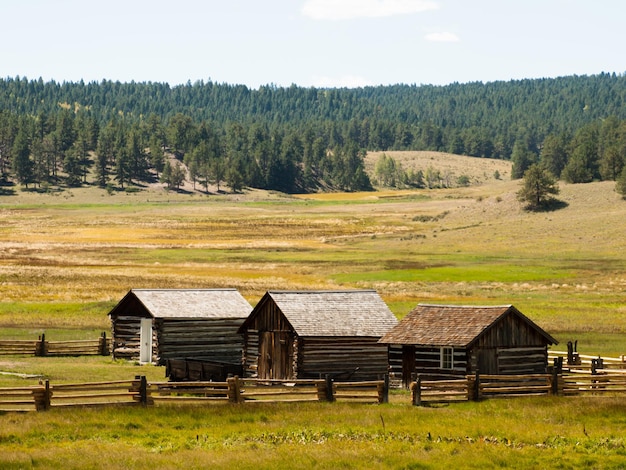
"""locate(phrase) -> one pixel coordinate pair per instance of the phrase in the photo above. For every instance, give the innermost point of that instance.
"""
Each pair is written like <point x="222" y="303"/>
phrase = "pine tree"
<point x="538" y="187"/>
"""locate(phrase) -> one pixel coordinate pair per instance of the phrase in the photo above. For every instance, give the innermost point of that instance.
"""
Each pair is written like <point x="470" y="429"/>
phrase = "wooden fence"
<point x="139" y="392"/>
<point x="599" y="383"/>
<point x="581" y="361"/>
<point x="479" y="387"/>
<point x="234" y="390"/>
<point x="43" y="347"/>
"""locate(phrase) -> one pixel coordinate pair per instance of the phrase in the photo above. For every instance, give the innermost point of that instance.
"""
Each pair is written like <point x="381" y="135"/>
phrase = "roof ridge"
<point x="323" y="291"/>
<point x="465" y="306"/>
<point x="185" y="289"/>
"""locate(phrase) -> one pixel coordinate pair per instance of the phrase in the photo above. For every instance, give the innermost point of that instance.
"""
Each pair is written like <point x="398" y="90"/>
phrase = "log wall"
<point x="211" y="339"/>
<point x="125" y="330"/>
<point x="428" y="362"/>
<point x="341" y="357"/>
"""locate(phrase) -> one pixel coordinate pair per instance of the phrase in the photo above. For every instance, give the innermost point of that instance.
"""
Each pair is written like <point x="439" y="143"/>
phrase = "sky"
<point x="310" y="43"/>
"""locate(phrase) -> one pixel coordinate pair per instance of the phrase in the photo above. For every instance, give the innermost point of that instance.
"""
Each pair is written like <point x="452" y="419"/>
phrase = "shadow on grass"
<point x="551" y="205"/>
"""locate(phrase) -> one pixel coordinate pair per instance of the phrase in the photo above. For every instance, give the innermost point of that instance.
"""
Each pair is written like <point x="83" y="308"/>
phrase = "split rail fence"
<point x="42" y="347"/>
<point x="46" y="396"/>
<point x="478" y="387"/>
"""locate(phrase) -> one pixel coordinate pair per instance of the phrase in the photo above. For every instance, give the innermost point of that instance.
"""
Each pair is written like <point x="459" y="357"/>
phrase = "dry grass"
<point x="565" y="269"/>
<point x="478" y="170"/>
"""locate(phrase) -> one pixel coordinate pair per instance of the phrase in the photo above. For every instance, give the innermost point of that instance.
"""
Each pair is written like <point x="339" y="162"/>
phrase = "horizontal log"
<point x="294" y="400"/>
<point x="76" y="396"/>
<point x="15" y="402"/>
<point x="371" y="383"/>
<point x="513" y="389"/>
<point x="91" y="385"/>
<point x="427" y="395"/>
<point x="294" y="382"/>
<point x="10" y="395"/>
<point x="170" y="398"/>
<point x="199" y="383"/>
<point x="93" y="404"/>
<point x="292" y="391"/>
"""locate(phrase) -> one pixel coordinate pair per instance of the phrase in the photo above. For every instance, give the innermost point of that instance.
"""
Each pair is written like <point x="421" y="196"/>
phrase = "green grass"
<point x="522" y="433"/>
<point x="65" y="261"/>
<point x="483" y="272"/>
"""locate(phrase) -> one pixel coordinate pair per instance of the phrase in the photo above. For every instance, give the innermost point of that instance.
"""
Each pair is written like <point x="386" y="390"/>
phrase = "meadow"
<point x="66" y="258"/>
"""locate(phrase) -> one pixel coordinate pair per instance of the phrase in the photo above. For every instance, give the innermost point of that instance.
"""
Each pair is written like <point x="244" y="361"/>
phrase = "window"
<point x="447" y="358"/>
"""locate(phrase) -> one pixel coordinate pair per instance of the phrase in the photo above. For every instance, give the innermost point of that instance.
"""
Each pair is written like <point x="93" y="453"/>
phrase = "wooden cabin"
<point x="314" y="334"/>
<point x="444" y="340"/>
<point x="154" y="325"/>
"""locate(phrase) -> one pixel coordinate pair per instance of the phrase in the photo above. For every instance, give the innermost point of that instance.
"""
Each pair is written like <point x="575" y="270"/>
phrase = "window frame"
<point x="446" y="358"/>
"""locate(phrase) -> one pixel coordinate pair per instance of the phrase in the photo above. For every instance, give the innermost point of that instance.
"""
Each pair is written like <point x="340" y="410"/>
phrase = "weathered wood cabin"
<point x="314" y="334"/>
<point x="154" y="325"/>
<point x="443" y="340"/>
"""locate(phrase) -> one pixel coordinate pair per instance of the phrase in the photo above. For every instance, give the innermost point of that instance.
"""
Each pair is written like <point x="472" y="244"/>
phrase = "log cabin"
<point x="154" y="325"/>
<point x="317" y="334"/>
<point x="445" y="340"/>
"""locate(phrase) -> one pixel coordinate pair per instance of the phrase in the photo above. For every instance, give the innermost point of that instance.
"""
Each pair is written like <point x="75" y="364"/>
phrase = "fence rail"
<point x="583" y="361"/>
<point x="440" y="391"/>
<point x="477" y="387"/>
<point x="600" y="383"/>
<point x="43" y="347"/>
<point x="139" y="392"/>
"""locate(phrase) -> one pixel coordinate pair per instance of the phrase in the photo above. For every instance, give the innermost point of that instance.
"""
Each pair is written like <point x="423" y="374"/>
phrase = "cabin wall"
<point x="126" y="337"/>
<point x="428" y="362"/>
<point x="209" y="339"/>
<point x="341" y="357"/>
<point x="511" y="346"/>
<point x="125" y="329"/>
<point x="251" y="353"/>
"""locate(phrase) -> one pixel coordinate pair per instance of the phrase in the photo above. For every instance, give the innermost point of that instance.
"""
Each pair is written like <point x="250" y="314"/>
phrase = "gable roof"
<point x="452" y="325"/>
<point x="331" y="313"/>
<point x="188" y="303"/>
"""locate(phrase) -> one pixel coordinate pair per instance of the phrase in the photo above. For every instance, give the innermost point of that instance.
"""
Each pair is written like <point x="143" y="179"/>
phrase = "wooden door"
<point x="145" y="341"/>
<point x="275" y="355"/>
<point x="408" y="365"/>
<point x="487" y="361"/>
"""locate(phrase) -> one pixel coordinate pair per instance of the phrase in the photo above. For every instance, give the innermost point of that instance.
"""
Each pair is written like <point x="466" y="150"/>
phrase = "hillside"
<point x="299" y="140"/>
<point x="479" y="170"/>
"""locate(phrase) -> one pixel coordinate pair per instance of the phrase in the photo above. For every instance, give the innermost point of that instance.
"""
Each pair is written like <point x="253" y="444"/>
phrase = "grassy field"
<point x="67" y="258"/>
<point x="521" y="433"/>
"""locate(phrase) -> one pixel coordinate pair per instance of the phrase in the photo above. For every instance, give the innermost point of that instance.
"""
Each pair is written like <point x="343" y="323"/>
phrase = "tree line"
<point x="298" y="139"/>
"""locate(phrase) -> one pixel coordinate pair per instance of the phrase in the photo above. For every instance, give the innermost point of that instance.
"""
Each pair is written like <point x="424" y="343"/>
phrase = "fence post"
<point x="43" y="397"/>
<point x="383" y="390"/>
<point x="417" y="391"/>
<point x="40" y="349"/>
<point x="234" y="390"/>
<point x="557" y="370"/>
<point x="102" y="345"/>
<point x="330" y="393"/>
<point x="477" y="386"/>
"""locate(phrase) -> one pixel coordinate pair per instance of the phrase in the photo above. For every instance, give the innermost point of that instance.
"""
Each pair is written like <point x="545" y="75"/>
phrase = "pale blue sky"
<point x="318" y="43"/>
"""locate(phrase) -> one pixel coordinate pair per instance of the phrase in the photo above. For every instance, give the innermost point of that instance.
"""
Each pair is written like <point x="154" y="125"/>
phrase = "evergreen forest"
<point x="294" y="139"/>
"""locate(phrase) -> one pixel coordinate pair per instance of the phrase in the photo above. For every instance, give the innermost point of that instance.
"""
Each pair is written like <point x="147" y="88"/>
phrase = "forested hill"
<point x="294" y="138"/>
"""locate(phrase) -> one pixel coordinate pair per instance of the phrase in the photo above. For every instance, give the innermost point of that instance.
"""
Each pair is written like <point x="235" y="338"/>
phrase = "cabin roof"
<point x="452" y="325"/>
<point x="188" y="303"/>
<point x="357" y="313"/>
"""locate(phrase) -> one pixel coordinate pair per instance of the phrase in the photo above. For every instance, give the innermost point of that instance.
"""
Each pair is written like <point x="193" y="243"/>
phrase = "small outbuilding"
<point x="314" y="334"/>
<point x="443" y="340"/>
<point x="154" y="325"/>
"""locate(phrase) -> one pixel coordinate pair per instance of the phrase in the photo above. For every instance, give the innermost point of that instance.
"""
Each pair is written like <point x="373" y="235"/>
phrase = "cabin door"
<point x="275" y="355"/>
<point x="487" y="361"/>
<point x="145" y="341"/>
<point x="408" y="365"/>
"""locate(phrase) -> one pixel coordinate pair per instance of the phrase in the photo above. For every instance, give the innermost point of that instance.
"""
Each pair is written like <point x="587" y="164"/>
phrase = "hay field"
<point x="67" y="258"/>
